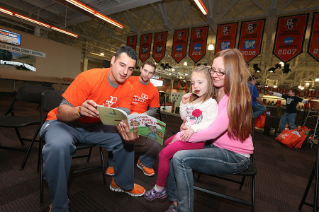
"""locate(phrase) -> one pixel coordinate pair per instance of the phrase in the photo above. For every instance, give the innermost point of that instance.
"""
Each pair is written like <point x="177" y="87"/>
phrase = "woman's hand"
<point x="88" y="108"/>
<point x="187" y="134"/>
<point x="186" y="97"/>
<point x="126" y="134"/>
<point x="183" y="127"/>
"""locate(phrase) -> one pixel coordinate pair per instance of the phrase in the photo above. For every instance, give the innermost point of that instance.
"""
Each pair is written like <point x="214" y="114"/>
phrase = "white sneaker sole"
<point x="109" y="174"/>
<point x="140" y="167"/>
<point x="121" y="190"/>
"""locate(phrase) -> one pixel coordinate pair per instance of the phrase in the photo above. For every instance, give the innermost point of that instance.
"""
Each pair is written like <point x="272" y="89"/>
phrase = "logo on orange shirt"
<point x="109" y="102"/>
<point x="143" y="98"/>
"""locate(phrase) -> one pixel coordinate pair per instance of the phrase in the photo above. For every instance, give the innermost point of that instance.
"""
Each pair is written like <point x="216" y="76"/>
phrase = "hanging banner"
<point x="131" y="42"/>
<point x="145" y="46"/>
<point x="159" y="46"/>
<point x="250" y="38"/>
<point x="179" y="44"/>
<point x="197" y="48"/>
<point x="290" y="36"/>
<point x="226" y="36"/>
<point x="313" y="48"/>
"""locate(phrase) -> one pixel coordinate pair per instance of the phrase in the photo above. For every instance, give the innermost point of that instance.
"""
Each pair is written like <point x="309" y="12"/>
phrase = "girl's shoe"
<point x="153" y="194"/>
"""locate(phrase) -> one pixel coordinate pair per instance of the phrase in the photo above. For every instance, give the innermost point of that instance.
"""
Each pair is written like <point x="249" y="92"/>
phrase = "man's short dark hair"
<point x="150" y="63"/>
<point x="128" y="50"/>
<point x="251" y="78"/>
<point x="294" y="90"/>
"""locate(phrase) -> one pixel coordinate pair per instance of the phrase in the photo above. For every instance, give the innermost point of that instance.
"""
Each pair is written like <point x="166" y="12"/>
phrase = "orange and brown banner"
<point x="131" y="41"/>
<point x="159" y="46"/>
<point x="290" y="36"/>
<point x="313" y="49"/>
<point x="226" y="36"/>
<point x="250" y="39"/>
<point x="179" y="44"/>
<point x="197" y="48"/>
<point x="145" y="46"/>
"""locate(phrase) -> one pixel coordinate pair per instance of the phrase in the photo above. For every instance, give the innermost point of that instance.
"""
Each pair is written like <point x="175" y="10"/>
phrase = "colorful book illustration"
<point x="147" y="126"/>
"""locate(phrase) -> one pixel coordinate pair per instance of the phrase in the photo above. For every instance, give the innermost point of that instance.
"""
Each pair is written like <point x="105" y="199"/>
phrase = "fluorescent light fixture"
<point x="6" y="11"/>
<point x="185" y="63"/>
<point x="32" y="20"/>
<point x="96" y="13"/>
<point x="210" y="47"/>
<point x="64" y="31"/>
<point x="201" y="6"/>
<point x="102" y="54"/>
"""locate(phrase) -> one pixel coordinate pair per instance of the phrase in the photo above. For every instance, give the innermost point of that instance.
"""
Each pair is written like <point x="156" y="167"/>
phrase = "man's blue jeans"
<point x="258" y="110"/>
<point x="287" y="118"/>
<point x="211" y="160"/>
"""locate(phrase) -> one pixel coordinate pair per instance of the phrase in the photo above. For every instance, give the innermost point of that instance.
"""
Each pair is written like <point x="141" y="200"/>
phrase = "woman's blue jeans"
<point x="211" y="160"/>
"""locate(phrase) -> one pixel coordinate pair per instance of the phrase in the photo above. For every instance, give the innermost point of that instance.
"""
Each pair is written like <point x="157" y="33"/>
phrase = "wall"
<point x="61" y="61"/>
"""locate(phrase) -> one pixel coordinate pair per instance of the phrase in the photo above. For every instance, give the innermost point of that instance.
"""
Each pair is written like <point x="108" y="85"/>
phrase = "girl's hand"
<point x="185" y="98"/>
<point x="187" y="134"/>
<point x="183" y="127"/>
<point x="174" y="139"/>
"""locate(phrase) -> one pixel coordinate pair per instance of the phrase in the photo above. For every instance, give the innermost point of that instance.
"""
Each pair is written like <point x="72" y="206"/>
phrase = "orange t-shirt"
<point x="144" y="95"/>
<point x="94" y="85"/>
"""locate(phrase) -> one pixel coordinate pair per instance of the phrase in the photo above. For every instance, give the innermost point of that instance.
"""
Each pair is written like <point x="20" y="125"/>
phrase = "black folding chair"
<point x="251" y="171"/>
<point x="30" y="94"/>
<point x="51" y="100"/>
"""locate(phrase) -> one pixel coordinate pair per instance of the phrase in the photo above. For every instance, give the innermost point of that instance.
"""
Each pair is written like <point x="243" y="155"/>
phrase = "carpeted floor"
<point x="282" y="177"/>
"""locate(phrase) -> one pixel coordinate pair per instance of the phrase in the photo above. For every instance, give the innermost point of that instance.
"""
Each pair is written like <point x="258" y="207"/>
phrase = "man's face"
<point x="147" y="73"/>
<point x="254" y="81"/>
<point x="122" y="68"/>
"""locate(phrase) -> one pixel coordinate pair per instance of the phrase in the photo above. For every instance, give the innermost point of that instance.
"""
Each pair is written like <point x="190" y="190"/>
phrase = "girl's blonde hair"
<point x="210" y="89"/>
<point x="239" y="106"/>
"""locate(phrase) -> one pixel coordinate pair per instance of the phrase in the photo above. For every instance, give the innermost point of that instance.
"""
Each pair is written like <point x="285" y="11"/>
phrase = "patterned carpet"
<point x="282" y="175"/>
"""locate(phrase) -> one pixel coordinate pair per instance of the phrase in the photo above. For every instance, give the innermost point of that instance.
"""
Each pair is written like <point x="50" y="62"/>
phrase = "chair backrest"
<point x="314" y="105"/>
<point x="32" y="94"/>
<point x="50" y="100"/>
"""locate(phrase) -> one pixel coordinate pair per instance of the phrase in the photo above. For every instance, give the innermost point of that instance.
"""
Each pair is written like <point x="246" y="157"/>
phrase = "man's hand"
<point x="183" y="127"/>
<point x="186" y="97"/>
<point x="187" y="134"/>
<point x="88" y="108"/>
<point x="126" y="134"/>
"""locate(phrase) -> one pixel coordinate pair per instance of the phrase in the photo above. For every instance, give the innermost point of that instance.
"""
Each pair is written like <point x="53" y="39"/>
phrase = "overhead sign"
<point x="250" y="39"/>
<point x="159" y="46"/>
<point x="179" y="44"/>
<point x="313" y="48"/>
<point x="131" y="41"/>
<point x="290" y="36"/>
<point x="22" y="51"/>
<point x="198" y="43"/>
<point x="226" y="36"/>
<point x="145" y="46"/>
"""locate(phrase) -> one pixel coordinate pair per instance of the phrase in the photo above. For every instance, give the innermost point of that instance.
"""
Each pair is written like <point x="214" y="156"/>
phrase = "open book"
<point x="147" y="126"/>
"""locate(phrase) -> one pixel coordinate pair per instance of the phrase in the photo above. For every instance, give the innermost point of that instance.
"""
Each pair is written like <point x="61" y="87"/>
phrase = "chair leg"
<point x="29" y="149"/>
<point x="198" y="177"/>
<point x="253" y="194"/>
<point x="19" y="136"/>
<point x="307" y="188"/>
<point x="242" y="182"/>
<point x="89" y="155"/>
<point x="103" y="167"/>
<point x="41" y="179"/>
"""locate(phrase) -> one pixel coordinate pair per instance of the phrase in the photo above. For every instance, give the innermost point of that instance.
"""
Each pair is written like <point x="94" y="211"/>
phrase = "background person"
<point x="199" y="110"/>
<point x="258" y="105"/>
<point x="145" y="101"/>
<point x="231" y="142"/>
<point x="77" y="120"/>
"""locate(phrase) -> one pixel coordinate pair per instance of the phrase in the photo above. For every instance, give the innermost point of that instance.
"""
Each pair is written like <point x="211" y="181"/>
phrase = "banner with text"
<point x="290" y="36"/>
<point x="250" y="38"/>
<point x="131" y="41"/>
<point x="179" y="44"/>
<point x="197" y="48"/>
<point x="226" y="36"/>
<point x="145" y="46"/>
<point x="159" y="46"/>
<point x="313" y="48"/>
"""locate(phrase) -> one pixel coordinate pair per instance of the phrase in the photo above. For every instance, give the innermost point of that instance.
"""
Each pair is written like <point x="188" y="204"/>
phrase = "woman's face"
<point x="218" y="72"/>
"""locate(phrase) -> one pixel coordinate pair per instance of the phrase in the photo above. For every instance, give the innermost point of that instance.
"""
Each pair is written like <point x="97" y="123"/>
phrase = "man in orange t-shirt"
<point x="77" y="120"/>
<point x="145" y="101"/>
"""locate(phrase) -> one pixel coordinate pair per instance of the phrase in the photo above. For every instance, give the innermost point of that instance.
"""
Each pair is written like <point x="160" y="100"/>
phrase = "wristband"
<point x="79" y="110"/>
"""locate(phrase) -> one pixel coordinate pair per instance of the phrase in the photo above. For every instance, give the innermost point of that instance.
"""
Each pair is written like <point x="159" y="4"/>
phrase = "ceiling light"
<point x="299" y="86"/>
<point x="317" y="79"/>
<point x="96" y="13"/>
<point x="307" y="83"/>
<point x="272" y="70"/>
<point x="210" y="47"/>
<point x="65" y="32"/>
<point x="185" y="63"/>
<point x="275" y="86"/>
<point x="201" y="6"/>
<point x="281" y="63"/>
<point x="32" y="20"/>
<point x="186" y="74"/>
<point x="6" y="11"/>
<point x="173" y="69"/>
<point x="102" y="54"/>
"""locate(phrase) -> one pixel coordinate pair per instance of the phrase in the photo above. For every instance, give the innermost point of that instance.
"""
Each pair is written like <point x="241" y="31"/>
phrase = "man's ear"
<point x="113" y="60"/>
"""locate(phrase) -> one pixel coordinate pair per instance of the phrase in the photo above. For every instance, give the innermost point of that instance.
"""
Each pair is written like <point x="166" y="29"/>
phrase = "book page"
<point x="111" y="116"/>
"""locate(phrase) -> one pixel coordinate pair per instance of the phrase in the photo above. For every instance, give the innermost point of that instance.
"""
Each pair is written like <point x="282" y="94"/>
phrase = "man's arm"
<point x="258" y="100"/>
<point x="151" y="111"/>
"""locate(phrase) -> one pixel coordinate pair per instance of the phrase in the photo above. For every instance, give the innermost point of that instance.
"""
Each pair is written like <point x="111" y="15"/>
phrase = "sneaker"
<point x="153" y="194"/>
<point x="137" y="191"/>
<point x="172" y="208"/>
<point x="110" y="171"/>
<point x="51" y="208"/>
<point x="147" y="171"/>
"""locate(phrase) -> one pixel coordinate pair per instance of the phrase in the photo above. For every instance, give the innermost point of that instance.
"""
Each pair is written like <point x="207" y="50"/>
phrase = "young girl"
<point x="200" y="110"/>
